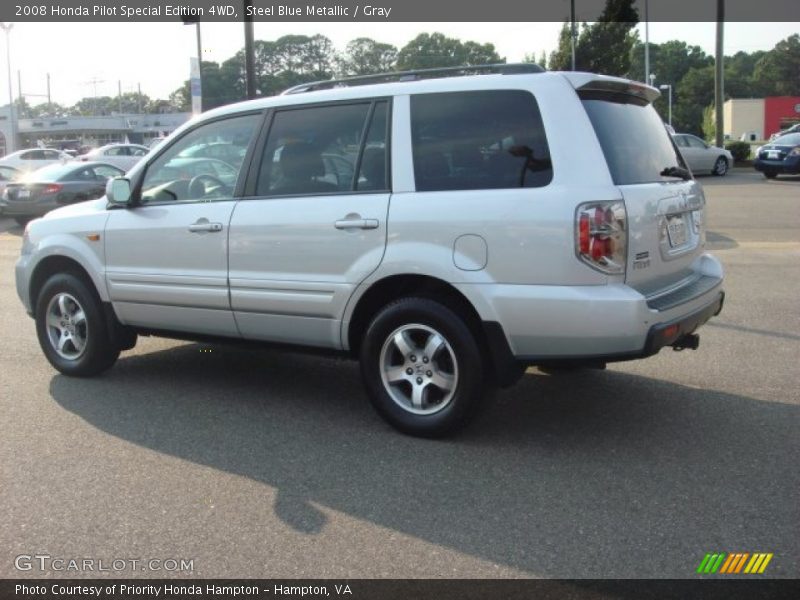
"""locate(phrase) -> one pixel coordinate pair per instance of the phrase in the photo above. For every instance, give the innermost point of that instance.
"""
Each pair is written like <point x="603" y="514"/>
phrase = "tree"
<point x="433" y="50"/>
<point x="604" y="46"/>
<point x="778" y="71"/>
<point x="365" y="56"/>
<point x="561" y="57"/>
<point x="694" y="92"/>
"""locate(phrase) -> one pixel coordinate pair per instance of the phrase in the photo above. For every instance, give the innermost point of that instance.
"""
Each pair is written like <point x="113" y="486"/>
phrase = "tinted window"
<point x="312" y="150"/>
<point x="103" y="172"/>
<point x="478" y="140"/>
<point x="173" y="177"/>
<point x="681" y="141"/>
<point x="636" y="145"/>
<point x="52" y="172"/>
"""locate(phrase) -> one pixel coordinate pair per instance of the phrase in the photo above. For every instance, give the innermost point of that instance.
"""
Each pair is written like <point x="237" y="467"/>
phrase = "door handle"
<point x="356" y="224"/>
<point x="203" y="226"/>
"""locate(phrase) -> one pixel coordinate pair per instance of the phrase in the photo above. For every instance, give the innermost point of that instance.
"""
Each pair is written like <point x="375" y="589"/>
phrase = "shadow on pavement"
<point x="587" y="473"/>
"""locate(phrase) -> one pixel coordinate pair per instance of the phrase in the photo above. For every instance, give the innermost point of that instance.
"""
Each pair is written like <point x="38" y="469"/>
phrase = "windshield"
<point x="637" y="146"/>
<point x="793" y="139"/>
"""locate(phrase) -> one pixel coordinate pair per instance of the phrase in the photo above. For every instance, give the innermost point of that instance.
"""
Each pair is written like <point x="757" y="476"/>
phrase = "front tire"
<point x="71" y="328"/>
<point x="770" y="174"/>
<point x="721" y="166"/>
<point x="422" y="367"/>
<point x="22" y="221"/>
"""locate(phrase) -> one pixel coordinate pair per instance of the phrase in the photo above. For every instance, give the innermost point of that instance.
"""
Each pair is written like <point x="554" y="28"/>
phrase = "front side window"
<point x="478" y="140"/>
<point x="173" y="176"/>
<point x="312" y="151"/>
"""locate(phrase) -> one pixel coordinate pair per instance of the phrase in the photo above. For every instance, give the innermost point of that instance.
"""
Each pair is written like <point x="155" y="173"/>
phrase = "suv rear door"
<point x="312" y="224"/>
<point x="664" y="204"/>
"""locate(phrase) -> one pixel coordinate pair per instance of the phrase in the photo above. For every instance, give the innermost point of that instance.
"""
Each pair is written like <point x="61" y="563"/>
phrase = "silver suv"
<point x="447" y="228"/>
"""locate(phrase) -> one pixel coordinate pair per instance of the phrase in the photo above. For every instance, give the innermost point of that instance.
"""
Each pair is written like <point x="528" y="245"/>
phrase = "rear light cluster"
<point x="600" y="235"/>
<point x="52" y="188"/>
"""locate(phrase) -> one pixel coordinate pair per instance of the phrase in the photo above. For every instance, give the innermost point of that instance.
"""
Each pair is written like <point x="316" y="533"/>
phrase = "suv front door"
<point x="314" y="224"/>
<point x="167" y="254"/>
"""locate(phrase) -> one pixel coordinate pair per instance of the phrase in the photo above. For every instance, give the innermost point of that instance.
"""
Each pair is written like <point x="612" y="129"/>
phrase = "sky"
<point x="87" y="58"/>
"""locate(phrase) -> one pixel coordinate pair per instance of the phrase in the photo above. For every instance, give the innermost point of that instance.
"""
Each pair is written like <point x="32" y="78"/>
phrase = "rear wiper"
<point x="676" y="172"/>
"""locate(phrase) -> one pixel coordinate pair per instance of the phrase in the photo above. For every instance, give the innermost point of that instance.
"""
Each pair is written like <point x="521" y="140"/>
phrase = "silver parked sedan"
<point x="701" y="157"/>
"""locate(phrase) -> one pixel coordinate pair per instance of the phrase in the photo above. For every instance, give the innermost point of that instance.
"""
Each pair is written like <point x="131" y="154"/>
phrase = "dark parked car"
<point x="779" y="156"/>
<point x="56" y="185"/>
<point x="7" y="175"/>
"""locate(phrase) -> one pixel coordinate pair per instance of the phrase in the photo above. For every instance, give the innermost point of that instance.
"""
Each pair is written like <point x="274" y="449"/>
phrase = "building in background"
<point x="754" y="119"/>
<point x="74" y="132"/>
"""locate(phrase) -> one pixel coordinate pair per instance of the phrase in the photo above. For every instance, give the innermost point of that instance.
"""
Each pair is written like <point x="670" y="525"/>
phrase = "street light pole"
<point x="668" y="86"/>
<point x="12" y="145"/>
<point x="646" y="40"/>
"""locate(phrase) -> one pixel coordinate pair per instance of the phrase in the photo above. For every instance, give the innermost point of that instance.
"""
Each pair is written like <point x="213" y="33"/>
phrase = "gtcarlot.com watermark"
<point x="59" y="564"/>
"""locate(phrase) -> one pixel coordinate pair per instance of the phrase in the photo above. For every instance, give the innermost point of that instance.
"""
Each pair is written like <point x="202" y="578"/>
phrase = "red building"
<point x="780" y="112"/>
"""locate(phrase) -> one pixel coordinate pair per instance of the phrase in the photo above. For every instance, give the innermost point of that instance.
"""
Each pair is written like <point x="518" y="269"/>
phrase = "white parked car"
<point x="123" y="156"/>
<point x="702" y="157"/>
<point x="34" y="158"/>
<point x="482" y="223"/>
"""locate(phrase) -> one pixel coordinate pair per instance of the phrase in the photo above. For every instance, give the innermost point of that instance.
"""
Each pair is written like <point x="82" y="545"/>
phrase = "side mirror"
<point x="118" y="191"/>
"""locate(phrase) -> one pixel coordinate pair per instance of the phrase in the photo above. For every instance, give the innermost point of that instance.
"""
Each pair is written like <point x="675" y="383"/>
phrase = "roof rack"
<point x="416" y="75"/>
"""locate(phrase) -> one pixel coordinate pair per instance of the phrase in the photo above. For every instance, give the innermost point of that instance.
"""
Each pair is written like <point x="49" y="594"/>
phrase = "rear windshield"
<point x="635" y="142"/>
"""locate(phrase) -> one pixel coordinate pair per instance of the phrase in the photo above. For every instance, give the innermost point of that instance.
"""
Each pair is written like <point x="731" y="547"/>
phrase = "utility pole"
<point x="572" y="30"/>
<point x="12" y="116"/>
<point x="49" y="102"/>
<point x="119" y="95"/>
<point x="719" y="76"/>
<point x="139" y="97"/>
<point x="249" y="52"/>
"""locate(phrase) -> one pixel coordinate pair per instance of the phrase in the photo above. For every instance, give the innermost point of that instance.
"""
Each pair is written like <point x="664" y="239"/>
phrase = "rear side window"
<point x="478" y="140"/>
<point x="635" y="142"/>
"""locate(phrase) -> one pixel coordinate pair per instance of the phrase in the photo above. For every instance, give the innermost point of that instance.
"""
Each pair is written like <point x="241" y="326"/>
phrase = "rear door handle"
<point x="203" y="226"/>
<point x="356" y="224"/>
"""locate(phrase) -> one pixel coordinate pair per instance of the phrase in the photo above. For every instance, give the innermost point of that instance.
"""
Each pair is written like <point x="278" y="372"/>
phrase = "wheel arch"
<point x="489" y="334"/>
<point x="52" y="265"/>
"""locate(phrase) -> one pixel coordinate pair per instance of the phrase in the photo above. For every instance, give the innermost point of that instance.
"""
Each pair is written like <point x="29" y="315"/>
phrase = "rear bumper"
<point x="549" y="324"/>
<point x="790" y="165"/>
<point x="666" y="334"/>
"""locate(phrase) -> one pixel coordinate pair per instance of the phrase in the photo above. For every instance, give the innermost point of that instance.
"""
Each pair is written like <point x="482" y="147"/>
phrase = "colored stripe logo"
<point x="734" y="563"/>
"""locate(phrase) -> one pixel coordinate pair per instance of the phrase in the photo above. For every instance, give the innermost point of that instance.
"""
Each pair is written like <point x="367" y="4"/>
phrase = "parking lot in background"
<point x="261" y="463"/>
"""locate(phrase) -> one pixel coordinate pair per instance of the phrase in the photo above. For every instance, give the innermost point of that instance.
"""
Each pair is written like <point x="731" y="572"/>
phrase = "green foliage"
<point x="778" y="71"/>
<point x="709" y="123"/>
<point x="602" y="47"/>
<point x="432" y="50"/>
<point x="365" y="56"/>
<point x="740" y="150"/>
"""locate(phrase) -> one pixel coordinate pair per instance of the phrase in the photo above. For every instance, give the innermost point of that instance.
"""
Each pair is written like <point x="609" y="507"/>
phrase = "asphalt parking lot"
<point x="267" y="464"/>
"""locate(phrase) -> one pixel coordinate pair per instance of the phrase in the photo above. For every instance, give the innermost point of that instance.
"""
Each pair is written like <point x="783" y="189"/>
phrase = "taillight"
<point x="52" y="188"/>
<point x="600" y="235"/>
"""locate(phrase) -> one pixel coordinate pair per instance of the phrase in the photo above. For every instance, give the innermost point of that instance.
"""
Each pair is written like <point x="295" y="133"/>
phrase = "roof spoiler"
<point x="591" y="82"/>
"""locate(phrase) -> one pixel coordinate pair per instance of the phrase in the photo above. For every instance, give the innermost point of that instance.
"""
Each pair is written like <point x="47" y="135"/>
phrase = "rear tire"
<point x="721" y="167"/>
<point x="72" y="330"/>
<point x="22" y="221"/>
<point x="422" y="367"/>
